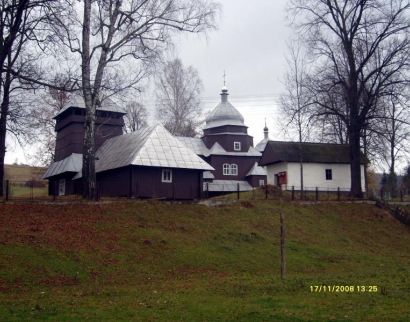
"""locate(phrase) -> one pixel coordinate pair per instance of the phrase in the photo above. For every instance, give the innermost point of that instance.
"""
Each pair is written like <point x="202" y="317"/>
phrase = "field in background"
<point x="157" y="261"/>
<point x="25" y="181"/>
<point x="22" y="173"/>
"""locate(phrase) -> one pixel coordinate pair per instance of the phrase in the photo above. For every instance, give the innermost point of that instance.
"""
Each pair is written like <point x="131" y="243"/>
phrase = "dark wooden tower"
<point x="70" y="127"/>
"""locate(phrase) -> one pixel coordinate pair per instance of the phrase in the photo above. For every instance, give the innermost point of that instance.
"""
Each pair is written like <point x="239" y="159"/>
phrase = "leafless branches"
<point x="361" y="50"/>
<point x="178" y="102"/>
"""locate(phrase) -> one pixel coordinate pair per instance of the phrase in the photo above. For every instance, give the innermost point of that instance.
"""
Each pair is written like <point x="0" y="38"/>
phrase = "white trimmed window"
<point x="237" y="146"/>
<point x="261" y="182"/>
<point x="166" y="175"/>
<point x="226" y="169"/>
<point x="234" y="170"/>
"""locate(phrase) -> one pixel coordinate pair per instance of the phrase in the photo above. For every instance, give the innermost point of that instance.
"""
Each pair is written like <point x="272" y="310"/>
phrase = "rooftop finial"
<point x="224" y="75"/>
<point x="266" y="131"/>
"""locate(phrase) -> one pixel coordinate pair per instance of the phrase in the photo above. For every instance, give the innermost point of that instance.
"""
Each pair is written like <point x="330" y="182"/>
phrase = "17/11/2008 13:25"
<point x="343" y="288"/>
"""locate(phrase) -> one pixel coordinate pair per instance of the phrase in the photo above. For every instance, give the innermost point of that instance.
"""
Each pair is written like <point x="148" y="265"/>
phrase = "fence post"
<point x="401" y="195"/>
<point x="293" y="193"/>
<point x="238" y="190"/>
<point x="207" y="190"/>
<point x="7" y="190"/>
<point x="55" y="186"/>
<point x="338" y="193"/>
<point x="282" y="246"/>
<point x="317" y="194"/>
<point x="266" y="191"/>
<point x="98" y="192"/>
<point x="173" y="191"/>
<point x="31" y="189"/>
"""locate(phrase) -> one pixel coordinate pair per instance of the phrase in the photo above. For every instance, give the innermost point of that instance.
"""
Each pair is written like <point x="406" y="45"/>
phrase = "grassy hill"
<point x="23" y="173"/>
<point x="152" y="261"/>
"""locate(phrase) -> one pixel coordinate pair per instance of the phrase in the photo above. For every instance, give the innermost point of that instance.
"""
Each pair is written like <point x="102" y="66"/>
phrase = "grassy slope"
<point x="169" y="262"/>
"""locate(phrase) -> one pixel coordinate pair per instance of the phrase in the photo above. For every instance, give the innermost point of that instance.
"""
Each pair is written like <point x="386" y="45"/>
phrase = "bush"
<point x="35" y="183"/>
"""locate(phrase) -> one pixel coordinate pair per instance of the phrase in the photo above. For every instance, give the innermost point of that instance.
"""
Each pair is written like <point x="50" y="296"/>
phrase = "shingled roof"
<point x="278" y="151"/>
<point x="152" y="147"/>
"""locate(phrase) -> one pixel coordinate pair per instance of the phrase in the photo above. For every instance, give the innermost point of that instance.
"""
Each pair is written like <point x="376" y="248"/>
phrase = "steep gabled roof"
<point x="152" y="146"/>
<point x="278" y="151"/>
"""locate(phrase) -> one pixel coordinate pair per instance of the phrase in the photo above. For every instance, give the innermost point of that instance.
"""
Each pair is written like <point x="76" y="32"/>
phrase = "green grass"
<point x="152" y="261"/>
<point x="18" y="175"/>
<point x="22" y="191"/>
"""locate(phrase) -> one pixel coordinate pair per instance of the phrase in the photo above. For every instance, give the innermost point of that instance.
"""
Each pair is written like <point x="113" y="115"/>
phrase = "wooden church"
<point x="153" y="163"/>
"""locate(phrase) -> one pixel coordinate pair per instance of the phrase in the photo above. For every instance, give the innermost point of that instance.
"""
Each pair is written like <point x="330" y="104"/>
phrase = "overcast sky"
<point x="250" y="46"/>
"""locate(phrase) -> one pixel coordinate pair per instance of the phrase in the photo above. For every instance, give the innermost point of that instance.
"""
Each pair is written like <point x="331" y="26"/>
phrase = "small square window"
<point x="261" y="182"/>
<point x="237" y="146"/>
<point x="328" y="174"/>
<point x="166" y="175"/>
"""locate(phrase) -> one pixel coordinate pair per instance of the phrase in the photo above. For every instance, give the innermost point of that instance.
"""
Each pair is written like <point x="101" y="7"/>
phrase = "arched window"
<point x="234" y="170"/>
<point x="226" y="169"/>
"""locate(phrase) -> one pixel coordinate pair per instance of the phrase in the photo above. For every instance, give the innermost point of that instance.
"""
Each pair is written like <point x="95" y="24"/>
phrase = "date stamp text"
<point x="343" y="288"/>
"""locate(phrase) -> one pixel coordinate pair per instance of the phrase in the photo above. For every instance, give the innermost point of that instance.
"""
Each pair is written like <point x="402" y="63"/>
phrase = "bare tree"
<point x="19" y="24"/>
<point x="178" y="101"/>
<point x="136" y="117"/>
<point x="329" y="110"/>
<point x="406" y="180"/>
<point x="295" y="102"/>
<point x="42" y="114"/>
<point x="391" y="129"/>
<point x="365" y="44"/>
<point x="119" y="41"/>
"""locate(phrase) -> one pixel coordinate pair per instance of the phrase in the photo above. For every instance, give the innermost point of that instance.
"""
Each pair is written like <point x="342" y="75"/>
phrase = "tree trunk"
<point x="88" y="171"/>
<point x="4" y="109"/>
<point x="3" y="119"/>
<point x="356" y="185"/>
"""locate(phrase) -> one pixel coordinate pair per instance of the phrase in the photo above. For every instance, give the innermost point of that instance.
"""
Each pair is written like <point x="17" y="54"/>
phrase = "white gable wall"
<point x="314" y="175"/>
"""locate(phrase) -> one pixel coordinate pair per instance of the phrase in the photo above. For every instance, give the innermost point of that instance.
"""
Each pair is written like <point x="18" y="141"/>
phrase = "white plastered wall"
<point x="314" y="175"/>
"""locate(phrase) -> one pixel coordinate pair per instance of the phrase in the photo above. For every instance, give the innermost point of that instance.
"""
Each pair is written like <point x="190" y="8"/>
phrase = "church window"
<point x="166" y="175"/>
<point x="261" y="182"/>
<point x="237" y="146"/>
<point x="234" y="170"/>
<point x="226" y="169"/>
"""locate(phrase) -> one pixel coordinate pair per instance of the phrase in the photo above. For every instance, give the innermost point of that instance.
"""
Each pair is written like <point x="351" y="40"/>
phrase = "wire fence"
<point x="72" y="191"/>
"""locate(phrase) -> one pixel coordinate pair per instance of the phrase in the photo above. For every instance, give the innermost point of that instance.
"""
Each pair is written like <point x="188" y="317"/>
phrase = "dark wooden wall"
<point x="146" y="182"/>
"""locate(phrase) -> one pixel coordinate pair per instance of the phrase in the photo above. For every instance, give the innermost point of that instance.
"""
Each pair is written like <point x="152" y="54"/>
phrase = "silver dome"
<point x="224" y="114"/>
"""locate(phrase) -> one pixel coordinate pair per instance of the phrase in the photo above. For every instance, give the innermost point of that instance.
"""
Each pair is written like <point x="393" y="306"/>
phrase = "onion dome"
<point x="224" y="113"/>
